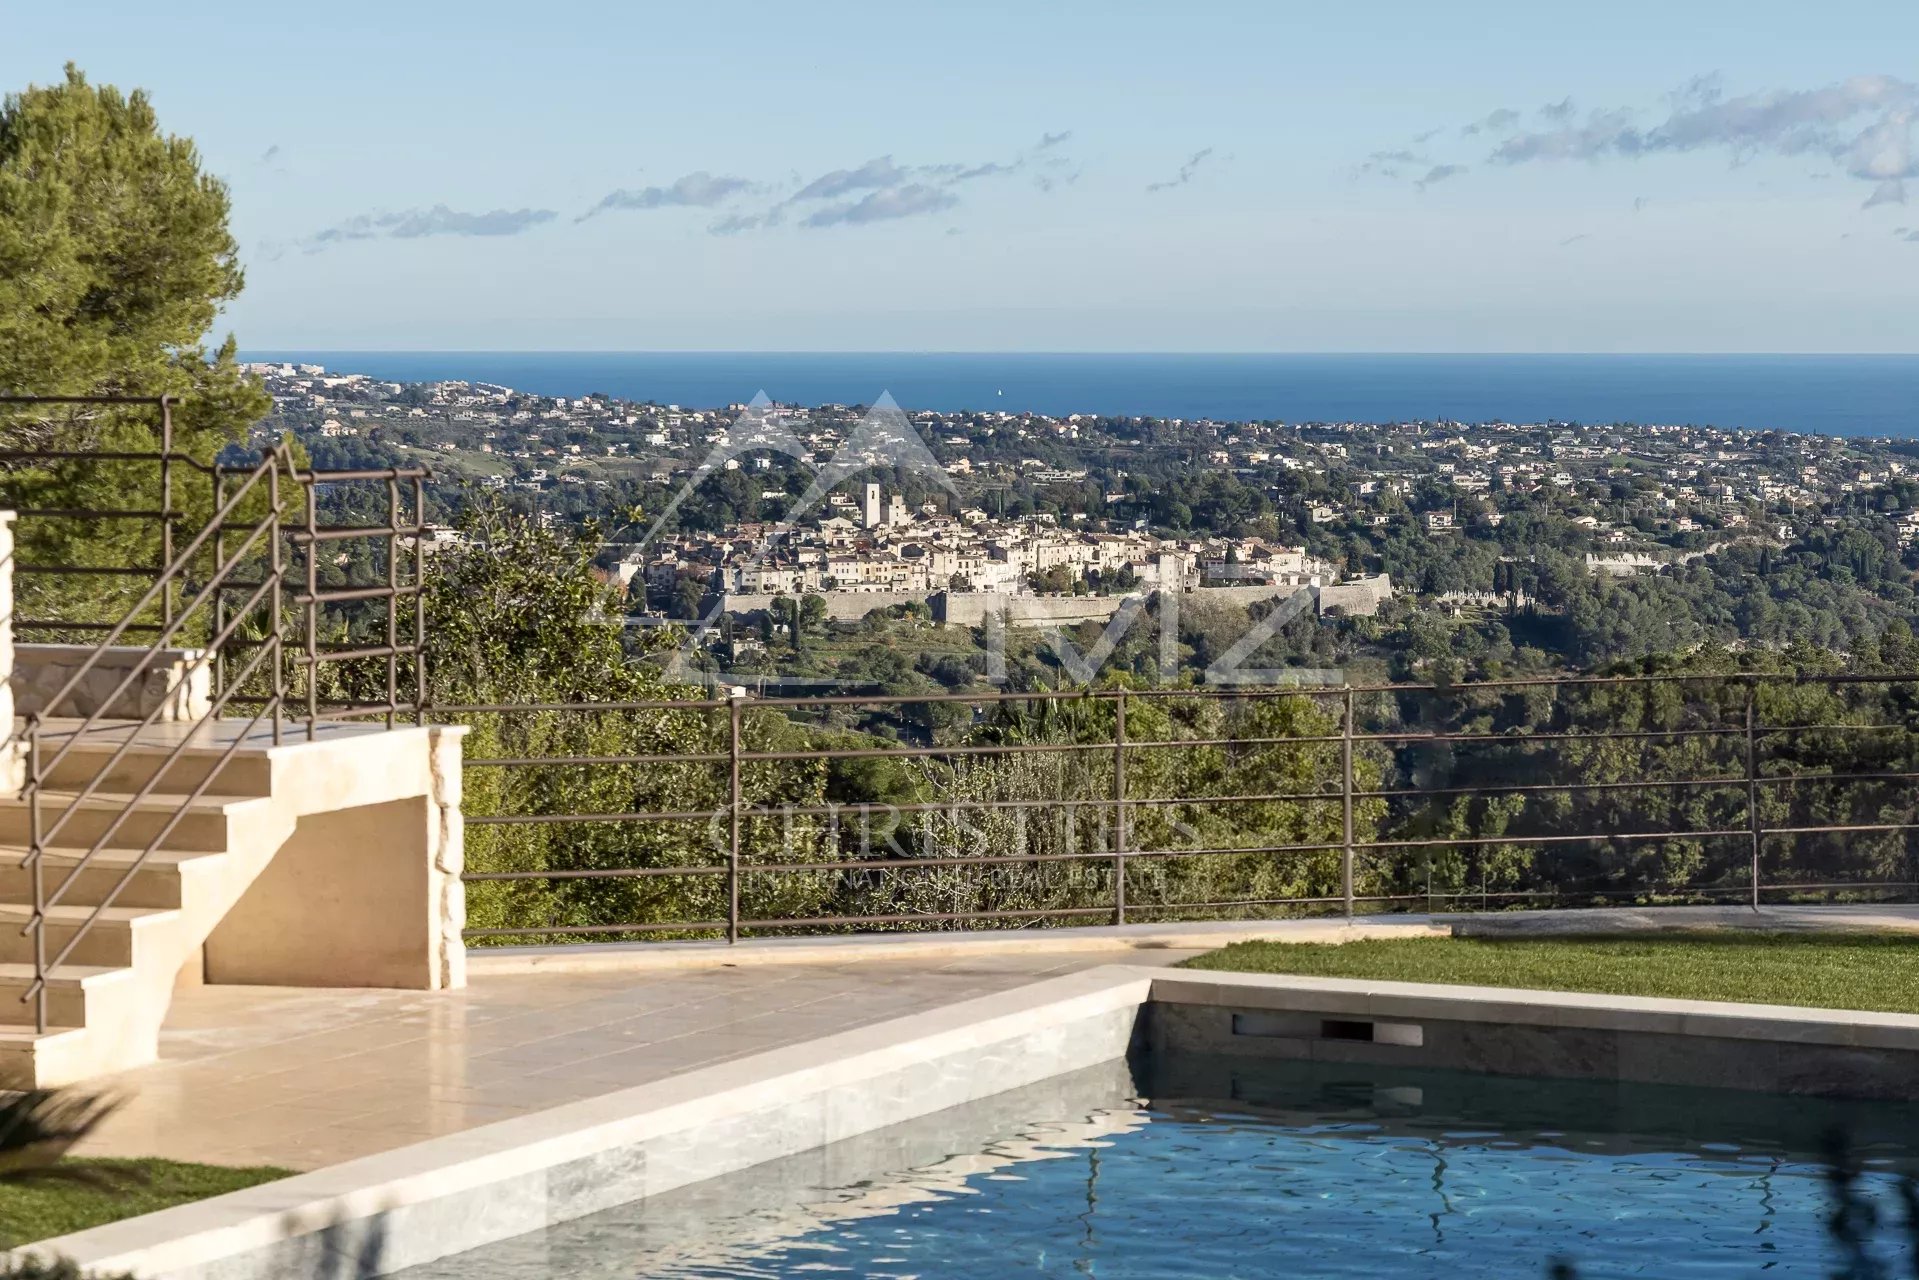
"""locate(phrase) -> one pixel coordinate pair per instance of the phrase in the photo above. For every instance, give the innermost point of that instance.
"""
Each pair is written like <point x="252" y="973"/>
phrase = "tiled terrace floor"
<point x="306" y="1078"/>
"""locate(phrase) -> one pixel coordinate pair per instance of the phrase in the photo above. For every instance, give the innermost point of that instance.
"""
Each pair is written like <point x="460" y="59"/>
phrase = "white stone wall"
<point x="447" y="892"/>
<point x="1359" y="599"/>
<point x="841" y="606"/>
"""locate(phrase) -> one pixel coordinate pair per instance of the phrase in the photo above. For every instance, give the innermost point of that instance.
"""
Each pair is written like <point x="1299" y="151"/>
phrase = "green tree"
<point x="115" y="259"/>
<point x="517" y="619"/>
<point x="813" y="612"/>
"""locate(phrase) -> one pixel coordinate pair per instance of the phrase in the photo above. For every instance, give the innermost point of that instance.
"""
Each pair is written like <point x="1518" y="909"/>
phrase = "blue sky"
<point x="1069" y="176"/>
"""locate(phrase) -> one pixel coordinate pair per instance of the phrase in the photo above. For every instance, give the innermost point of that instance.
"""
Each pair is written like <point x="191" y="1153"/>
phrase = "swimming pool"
<point x="1212" y="1168"/>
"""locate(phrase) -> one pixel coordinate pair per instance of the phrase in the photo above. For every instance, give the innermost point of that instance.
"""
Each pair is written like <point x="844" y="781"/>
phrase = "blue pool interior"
<point x="1224" y="1168"/>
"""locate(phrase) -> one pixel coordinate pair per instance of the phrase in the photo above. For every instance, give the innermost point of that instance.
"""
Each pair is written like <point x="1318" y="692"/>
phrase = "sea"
<point x="1850" y="395"/>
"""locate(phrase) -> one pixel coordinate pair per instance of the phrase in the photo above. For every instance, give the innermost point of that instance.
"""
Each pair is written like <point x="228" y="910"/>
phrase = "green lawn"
<point x="41" y="1210"/>
<point x="1831" y="970"/>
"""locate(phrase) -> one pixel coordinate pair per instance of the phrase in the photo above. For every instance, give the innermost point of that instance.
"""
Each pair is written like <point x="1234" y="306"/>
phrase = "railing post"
<point x="35" y="856"/>
<point x="393" y="598"/>
<point x="1119" y="808"/>
<point x="734" y="698"/>
<point x="166" y="504"/>
<point x="1346" y="807"/>
<point x="219" y="595"/>
<point x="278" y="572"/>
<point x="313" y="612"/>
<point x="419" y="600"/>
<point x="1752" y="785"/>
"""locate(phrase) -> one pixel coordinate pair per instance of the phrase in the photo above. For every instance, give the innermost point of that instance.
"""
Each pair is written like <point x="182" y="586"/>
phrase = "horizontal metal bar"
<point x="1246" y="693"/>
<point x="1103" y="856"/>
<point x="720" y="757"/>
<point x="1533" y="788"/>
<point x="930" y="806"/>
<point x="336" y="711"/>
<point x="810" y="922"/>
<point x="351" y="710"/>
<point x="1224" y="850"/>
<point x="1254" y="693"/>
<point x="347" y="594"/>
<point x="510" y="708"/>
<point x="522" y="762"/>
<point x="1576" y="891"/>
<point x="88" y="513"/>
<point x="1227" y="904"/>
<point x="522" y="819"/>
<point x="50" y="624"/>
<point x="869" y="807"/>
<point x="1862" y="828"/>
<point x="560" y="930"/>
<point x="1635" y="785"/>
<point x="1839" y="884"/>
<point x="1255" y="797"/>
<point x="1249" y="692"/>
<point x="1006" y="749"/>
<point x="1765" y="779"/>
<point x="347" y="532"/>
<point x="1450" y="842"/>
<point x="70" y="570"/>
<point x="373" y="651"/>
<point x="365" y="473"/>
<point x="865" y="808"/>
<point x="1521" y="739"/>
<point x="917" y="753"/>
<point x="592" y="873"/>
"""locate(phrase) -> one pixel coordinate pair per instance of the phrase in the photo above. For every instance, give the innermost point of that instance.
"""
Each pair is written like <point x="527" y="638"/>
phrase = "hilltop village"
<point x="1450" y="517"/>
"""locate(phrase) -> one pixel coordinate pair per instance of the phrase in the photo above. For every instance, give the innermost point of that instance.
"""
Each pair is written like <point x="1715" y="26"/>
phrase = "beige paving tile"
<point x="529" y="1091"/>
<point x="317" y="1148"/>
<point x="432" y="1116"/>
<point x="305" y="1078"/>
<point x="636" y="1066"/>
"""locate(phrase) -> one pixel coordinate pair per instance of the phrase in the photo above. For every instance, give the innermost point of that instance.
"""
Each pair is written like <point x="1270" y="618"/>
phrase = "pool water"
<point x="1219" y="1170"/>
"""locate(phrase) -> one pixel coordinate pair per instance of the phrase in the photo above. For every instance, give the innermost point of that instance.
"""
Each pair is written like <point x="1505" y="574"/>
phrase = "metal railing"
<point x="166" y="461"/>
<point x="730" y="817"/>
<point x="224" y="593"/>
<point x="393" y="646"/>
<point x="1388" y="797"/>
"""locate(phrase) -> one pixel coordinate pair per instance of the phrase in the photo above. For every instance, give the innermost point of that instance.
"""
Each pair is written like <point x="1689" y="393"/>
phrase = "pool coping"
<point x="446" y="1195"/>
<point x="1520" y="1006"/>
<point x="644" y="957"/>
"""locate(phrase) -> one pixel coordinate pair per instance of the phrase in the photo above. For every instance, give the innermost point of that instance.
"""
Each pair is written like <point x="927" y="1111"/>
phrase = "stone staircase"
<point x="331" y="862"/>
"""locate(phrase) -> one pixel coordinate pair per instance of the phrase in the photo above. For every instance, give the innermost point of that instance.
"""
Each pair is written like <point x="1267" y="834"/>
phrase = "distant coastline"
<point x="1850" y="395"/>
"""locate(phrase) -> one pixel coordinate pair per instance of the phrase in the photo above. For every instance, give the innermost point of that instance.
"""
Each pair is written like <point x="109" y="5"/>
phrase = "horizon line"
<point x="1111" y="351"/>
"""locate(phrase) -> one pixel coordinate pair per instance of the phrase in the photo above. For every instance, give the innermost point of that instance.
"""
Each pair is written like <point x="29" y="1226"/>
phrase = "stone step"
<point x="236" y="775"/>
<point x="110" y="941"/>
<point x="202" y="824"/>
<point x="70" y="991"/>
<point x="156" y="884"/>
<point x="29" y="1059"/>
